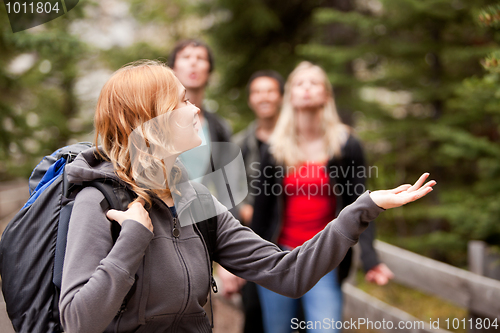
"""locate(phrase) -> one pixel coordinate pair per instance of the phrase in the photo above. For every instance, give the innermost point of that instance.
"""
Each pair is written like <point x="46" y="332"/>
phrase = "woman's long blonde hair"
<point x="135" y="94"/>
<point x="284" y="143"/>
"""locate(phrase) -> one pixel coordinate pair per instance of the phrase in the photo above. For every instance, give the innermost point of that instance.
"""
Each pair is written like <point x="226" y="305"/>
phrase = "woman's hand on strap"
<point x="403" y="194"/>
<point x="135" y="212"/>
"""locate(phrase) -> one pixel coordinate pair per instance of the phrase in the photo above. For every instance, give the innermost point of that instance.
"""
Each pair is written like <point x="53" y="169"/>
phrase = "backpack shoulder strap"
<point x="204" y="210"/>
<point x="116" y="196"/>
<point x="110" y="201"/>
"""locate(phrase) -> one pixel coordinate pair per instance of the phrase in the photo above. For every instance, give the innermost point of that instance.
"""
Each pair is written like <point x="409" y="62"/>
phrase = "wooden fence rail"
<point x="477" y="293"/>
<point x="370" y="314"/>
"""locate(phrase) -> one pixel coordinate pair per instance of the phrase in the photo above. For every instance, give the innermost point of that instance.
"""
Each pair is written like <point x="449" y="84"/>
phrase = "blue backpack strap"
<point x="52" y="173"/>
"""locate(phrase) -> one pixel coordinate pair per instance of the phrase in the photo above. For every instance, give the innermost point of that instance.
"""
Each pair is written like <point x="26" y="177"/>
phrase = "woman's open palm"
<point x="403" y="194"/>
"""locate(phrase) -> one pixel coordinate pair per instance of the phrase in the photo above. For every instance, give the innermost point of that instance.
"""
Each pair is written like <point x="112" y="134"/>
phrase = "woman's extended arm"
<point x="293" y="273"/>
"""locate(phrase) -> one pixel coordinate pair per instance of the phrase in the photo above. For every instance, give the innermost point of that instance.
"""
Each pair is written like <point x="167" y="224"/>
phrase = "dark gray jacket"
<point x="247" y="141"/>
<point x="172" y="274"/>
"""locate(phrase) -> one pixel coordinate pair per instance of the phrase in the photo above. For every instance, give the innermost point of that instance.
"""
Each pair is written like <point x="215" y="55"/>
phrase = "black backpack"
<point x="33" y="244"/>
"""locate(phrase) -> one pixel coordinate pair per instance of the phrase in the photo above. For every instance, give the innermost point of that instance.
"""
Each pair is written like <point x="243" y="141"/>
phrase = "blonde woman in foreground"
<point x="171" y="269"/>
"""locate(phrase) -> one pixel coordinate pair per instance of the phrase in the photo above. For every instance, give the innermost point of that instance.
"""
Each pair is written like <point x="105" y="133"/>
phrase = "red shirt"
<point x="309" y="203"/>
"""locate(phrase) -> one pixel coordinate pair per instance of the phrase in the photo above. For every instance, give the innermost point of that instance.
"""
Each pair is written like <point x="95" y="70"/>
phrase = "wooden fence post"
<point x="478" y="259"/>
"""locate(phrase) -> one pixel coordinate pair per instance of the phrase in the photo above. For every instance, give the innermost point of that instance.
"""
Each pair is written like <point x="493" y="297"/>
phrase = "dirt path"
<point x="228" y="318"/>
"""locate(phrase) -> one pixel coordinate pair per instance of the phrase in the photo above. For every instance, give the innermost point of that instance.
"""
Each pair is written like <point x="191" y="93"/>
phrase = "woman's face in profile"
<point x="185" y="123"/>
<point x="308" y="90"/>
<point x="162" y="138"/>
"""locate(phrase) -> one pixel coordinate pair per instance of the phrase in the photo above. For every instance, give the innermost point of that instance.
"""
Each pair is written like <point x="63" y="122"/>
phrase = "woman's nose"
<point x="196" y="108"/>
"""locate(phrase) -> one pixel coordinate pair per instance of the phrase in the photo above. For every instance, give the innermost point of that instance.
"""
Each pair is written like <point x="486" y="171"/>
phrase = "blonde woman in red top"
<point x="314" y="167"/>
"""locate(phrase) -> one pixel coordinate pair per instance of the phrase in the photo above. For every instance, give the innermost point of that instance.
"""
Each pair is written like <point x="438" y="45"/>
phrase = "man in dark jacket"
<point x="192" y="62"/>
<point x="265" y="94"/>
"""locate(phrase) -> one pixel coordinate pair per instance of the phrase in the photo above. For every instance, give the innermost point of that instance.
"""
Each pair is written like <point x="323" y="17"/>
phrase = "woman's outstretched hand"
<point x="135" y="212"/>
<point x="403" y="194"/>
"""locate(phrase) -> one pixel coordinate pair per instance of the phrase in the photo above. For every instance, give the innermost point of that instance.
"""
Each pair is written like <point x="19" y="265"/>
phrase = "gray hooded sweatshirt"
<point x="172" y="274"/>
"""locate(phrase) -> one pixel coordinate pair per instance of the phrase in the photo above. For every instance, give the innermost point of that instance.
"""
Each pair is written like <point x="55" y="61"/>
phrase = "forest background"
<point x="417" y="79"/>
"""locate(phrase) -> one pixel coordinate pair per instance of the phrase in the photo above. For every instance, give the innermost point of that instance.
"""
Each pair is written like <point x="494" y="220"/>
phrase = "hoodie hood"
<point x="89" y="166"/>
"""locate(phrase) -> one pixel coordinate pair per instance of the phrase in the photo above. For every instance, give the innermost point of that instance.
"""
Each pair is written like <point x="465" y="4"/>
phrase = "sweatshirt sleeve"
<point x="97" y="275"/>
<point x="292" y="273"/>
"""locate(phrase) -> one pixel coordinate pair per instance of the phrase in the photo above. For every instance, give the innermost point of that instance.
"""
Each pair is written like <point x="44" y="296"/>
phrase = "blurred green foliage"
<point x="259" y="35"/>
<point x="411" y="77"/>
<point x="37" y="102"/>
